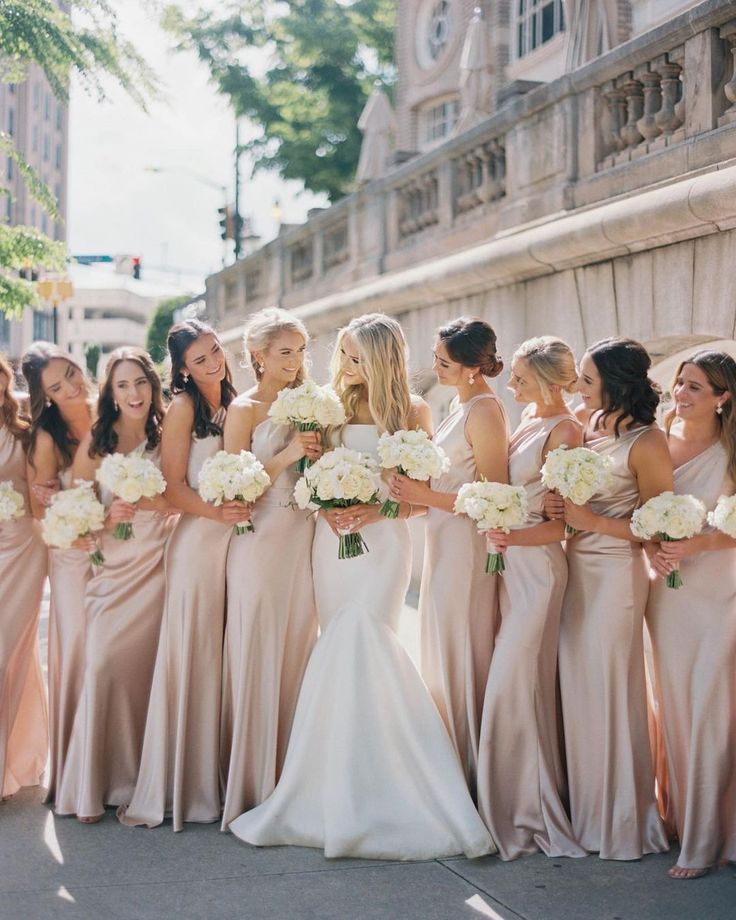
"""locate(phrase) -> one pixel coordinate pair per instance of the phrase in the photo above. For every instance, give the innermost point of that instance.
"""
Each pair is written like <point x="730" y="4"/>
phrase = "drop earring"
<point x="471" y="379"/>
<point x="48" y="403"/>
<point x="117" y="407"/>
<point x="719" y="409"/>
<point x="185" y="378"/>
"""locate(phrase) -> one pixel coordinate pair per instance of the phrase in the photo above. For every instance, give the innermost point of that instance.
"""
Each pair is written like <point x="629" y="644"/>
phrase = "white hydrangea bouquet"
<point x="308" y="407"/>
<point x="493" y="506"/>
<point x="12" y="505"/>
<point x="412" y="454"/>
<point x="74" y="513"/>
<point x="669" y="517"/>
<point x="340" y="478"/>
<point x="130" y="478"/>
<point x="227" y="477"/>
<point x="577" y="473"/>
<point x="723" y="516"/>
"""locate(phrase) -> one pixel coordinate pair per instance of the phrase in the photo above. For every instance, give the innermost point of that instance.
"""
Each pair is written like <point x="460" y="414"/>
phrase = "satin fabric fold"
<point x="23" y="564"/>
<point x="370" y="770"/>
<point x="123" y="606"/>
<point x="180" y="769"/>
<point x="602" y="684"/>
<point x="693" y="631"/>
<point x="520" y="774"/>
<point x="271" y="628"/>
<point x="458" y="602"/>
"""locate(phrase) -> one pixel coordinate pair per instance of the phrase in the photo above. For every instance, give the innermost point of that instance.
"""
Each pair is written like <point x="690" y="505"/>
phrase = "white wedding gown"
<point x="370" y="770"/>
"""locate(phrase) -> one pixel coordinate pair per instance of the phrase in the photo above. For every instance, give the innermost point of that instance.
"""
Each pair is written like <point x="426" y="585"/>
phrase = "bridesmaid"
<point x="457" y="601"/>
<point x="520" y="774"/>
<point x="601" y="658"/>
<point x="124" y="599"/>
<point x="693" y="630"/>
<point x="23" y="732"/>
<point x="271" y="616"/>
<point x="61" y="416"/>
<point x="179" y="773"/>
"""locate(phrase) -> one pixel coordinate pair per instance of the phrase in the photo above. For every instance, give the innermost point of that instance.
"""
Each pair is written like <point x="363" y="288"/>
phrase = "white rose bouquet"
<point x="493" y="506"/>
<point x="669" y="517"/>
<point x="74" y="513"/>
<point x="225" y="477"/>
<point x="576" y="473"/>
<point x="12" y="505"/>
<point x="723" y="516"/>
<point x="130" y="478"/>
<point x="412" y="454"/>
<point x="340" y="478"/>
<point x="308" y="407"/>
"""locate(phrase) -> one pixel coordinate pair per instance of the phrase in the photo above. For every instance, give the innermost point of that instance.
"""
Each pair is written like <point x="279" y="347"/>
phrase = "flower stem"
<point x="495" y="564"/>
<point x="351" y="545"/>
<point x="123" y="531"/>
<point x="390" y="509"/>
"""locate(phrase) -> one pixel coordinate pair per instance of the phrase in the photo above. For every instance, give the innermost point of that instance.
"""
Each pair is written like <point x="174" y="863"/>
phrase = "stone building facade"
<point x="594" y="193"/>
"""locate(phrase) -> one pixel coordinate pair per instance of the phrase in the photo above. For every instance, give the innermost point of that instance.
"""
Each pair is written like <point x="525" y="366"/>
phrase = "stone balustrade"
<point x="656" y="108"/>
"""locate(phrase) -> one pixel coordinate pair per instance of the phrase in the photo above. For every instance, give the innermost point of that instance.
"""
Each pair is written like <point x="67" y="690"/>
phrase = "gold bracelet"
<point x="411" y="510"/>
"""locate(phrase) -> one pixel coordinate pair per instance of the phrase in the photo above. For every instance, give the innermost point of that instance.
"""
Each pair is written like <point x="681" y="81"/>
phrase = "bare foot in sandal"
<point x="682" y="872"/>
<point x="89" y="819"/>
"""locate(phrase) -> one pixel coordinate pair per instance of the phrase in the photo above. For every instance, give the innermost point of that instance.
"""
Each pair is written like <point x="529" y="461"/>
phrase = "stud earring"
<point x="471" y="379"/>
<point x="719" y="409"/>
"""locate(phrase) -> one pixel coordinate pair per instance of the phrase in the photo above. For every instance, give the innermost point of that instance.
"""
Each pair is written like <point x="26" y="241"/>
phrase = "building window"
<point x="43" y="326"/>
<point x="537" y="21"/>
<point x="46" y="148"/>
<point x="44" y="223"/>
<point x="47" y="107"/>
<point x="11" y="122"/>
<point x="434" y="31"/>
<point x="439" y="29"/>
<point x="36" y="97"/>
<point x="9" y="209"/>
<point x="439" y="120"/>
<point x="57" y="158"/>
<point x="34" y="138"/>
<point x="59" y="117"/>
<point x="9" y="170"/>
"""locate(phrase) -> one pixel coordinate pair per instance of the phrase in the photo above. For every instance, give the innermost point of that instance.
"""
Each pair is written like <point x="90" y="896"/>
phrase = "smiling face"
<point x="131" y="390"/>
<point x="63" y="383"/>
<point x="590" y="385"/>
<point x="283" y="359"/>
<point x="350" y="363"/>
<point x="523" y="383"/>
<point x="693" y="395"/>
<point x="204" y="360"/>
<point x="449" y="372"/>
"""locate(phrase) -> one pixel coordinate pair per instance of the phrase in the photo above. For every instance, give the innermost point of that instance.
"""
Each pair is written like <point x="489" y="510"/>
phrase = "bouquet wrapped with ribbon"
<point x="71" y="514"/>
<point x="412" y="454"/>
<point x="339" y="479"/>
<point x="130" y="478"/>
<point x="308" y="407"/>
<point x="227" y="477"/>
<point x="493" y="506"/>
<point x="576" y="473"/>
<point x="669" y="517"/>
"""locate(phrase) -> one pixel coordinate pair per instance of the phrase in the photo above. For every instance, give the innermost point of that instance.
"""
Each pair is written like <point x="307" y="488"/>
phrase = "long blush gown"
<point x="458" y="602"/>
<point x="602" y="682"/>
<point x="69" y="572"/>
<point x="23" y="719"/>
<point x="180" y="772"/>
<point x="693" y="631"/>
<point x="520" y="774"/>
<point x="271" y="628"/>
<point x="124" y="604"/>
<point x="370" y="770"/>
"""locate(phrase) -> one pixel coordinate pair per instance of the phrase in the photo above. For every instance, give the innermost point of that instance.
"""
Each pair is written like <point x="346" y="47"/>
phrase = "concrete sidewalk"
<point x="57" y="868"/>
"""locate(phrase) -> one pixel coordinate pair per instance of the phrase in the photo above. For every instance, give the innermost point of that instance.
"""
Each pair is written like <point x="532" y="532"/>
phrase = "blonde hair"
<point x="382" y="351"/>
<point x="552" y="362"/>
<point x="263" y="327"/>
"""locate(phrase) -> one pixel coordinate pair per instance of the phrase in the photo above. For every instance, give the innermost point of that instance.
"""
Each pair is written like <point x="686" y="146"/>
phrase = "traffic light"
<point x="136" y="262"/>
<point x="227" y="227"/>
<point x="28" y="273"/>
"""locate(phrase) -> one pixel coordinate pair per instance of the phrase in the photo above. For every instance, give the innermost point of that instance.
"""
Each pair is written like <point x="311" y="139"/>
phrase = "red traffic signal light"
<point x="136" y="263"/>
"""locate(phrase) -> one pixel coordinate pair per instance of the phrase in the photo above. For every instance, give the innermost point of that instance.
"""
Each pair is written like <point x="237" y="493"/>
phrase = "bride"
<point x="370" y="770"/>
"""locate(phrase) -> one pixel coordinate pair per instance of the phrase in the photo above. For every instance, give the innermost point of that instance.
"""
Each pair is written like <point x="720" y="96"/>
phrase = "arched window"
<point x="537" y="21"/>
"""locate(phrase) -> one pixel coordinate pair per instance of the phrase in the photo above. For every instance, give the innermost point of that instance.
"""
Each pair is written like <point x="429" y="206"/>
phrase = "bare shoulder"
<point x="653" y="440"/>
<point x="180" y="409"/>
<point x="420" y="415"/>
<point x="568" y="432"/>
<point x="582" y="414"/>
<point x="486" y="412"/>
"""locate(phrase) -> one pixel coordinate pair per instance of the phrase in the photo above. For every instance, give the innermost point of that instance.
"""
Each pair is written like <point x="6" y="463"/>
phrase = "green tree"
<point x="80" y="40"/>
<point x="323" y="57"/>
<point x="159" y="325"/>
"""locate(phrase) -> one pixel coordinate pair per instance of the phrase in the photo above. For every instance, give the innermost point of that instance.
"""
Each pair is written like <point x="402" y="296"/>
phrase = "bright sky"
<point x="117" y="205"/>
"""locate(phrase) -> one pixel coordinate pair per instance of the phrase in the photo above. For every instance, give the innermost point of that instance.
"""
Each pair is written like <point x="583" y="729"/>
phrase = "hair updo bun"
<point x="471" y="341"/>
<point x="623" y="365"/>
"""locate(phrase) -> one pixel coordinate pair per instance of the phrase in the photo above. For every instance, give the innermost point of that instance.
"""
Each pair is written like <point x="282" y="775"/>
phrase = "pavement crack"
<point x="513" y="913"/>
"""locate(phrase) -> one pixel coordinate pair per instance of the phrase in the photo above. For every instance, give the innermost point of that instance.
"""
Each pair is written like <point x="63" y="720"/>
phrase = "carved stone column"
<point x="647" y="125"/>
<point x="616" y="100"/>
<point x="667" y="118"/>
<point x="728" y="32"/>
<point x="635" y="109"/>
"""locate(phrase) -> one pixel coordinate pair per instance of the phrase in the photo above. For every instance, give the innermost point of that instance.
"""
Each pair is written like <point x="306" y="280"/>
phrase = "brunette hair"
<point x="471" y="341"/>
<point x="104" y="437"/>
<point x="263" y="327"/>
<point x="720" y="372"/>
<point x="180" y="337"/>
<point x="625" y="387"/>
<point x="15" y="420"/>
<point x="45" y="414"/>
